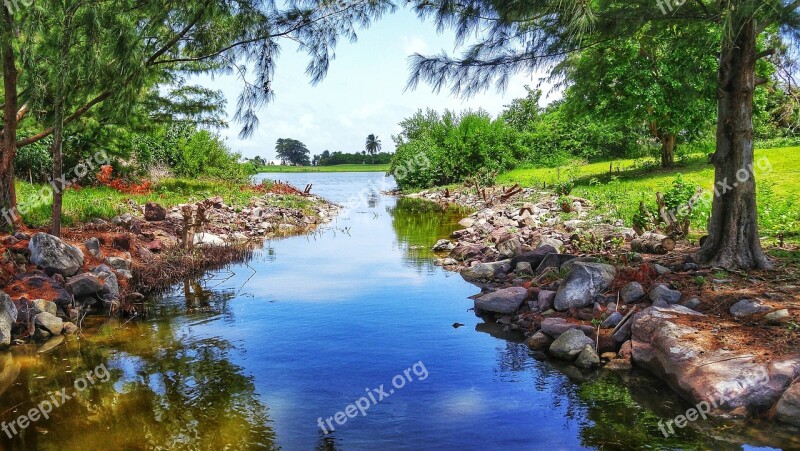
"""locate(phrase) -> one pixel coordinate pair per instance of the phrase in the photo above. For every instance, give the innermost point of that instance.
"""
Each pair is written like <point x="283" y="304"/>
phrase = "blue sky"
<point x="362" y="94"/>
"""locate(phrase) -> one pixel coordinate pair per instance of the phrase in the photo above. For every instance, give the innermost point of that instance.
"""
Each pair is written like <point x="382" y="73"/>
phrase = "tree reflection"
<point x="418" y="224"/>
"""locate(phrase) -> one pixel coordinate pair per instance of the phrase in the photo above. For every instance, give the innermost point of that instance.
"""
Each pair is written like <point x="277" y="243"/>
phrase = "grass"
<point x="619" y="190"/>
<point x="334" y="168"/>
<point x="84" y="204"/>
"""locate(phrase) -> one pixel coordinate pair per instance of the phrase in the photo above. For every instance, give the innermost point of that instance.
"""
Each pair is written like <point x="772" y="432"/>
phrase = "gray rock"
<point x="661" y="270"/>
<point x="486" y="271"/>
<point x="747" y="307"/>
<point x="777" y="317"/>
<point x="693" y="303"/>
<point x="443" y="245"/>
<point x="546" y="299"/>
<point x="119" y="263"/>
<point x="93" y="246"/>
<point x="51" y="323"/>
<point x="8" y="316"/>
<point x="623" y="334"/>
<point x="509" y="248"/>
<point x="69" y="328"/>
<point x="466" y="251"/>
<point x="553" y="261"/>
<point x="555" y="327"/>
<point x="588" y="358"/>
<point x="125" y="273"/>
<point x="123" y="220"/>
<point x="631" y="293"/>
<point x="788" y="407"/>
<point x="662" y="293"/>
<point x="209" y="239"/>
<point x="539" y="341"/>
<point x="612" y="320"/>
<point x="552" y="242"/>
<point x="43" y="305"/>
<point x="85" y="284"/>
<point x="569" y="344"/>
<point x="54" y="255"/>
<point x="584" y="282"/>
<point x="523" y="269"/>
<point x="110" y="290"/>
<point x="506" y="301"/>
<point x="467" y="222"/>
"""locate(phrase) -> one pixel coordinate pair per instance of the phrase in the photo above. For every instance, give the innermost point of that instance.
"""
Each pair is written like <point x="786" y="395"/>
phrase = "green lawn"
<point x="334" y="168"/>
<point x="83" y="205"/>
<point x="619" y="192"/>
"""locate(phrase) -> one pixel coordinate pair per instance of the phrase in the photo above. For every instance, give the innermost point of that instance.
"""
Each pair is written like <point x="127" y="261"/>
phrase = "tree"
<point x="292" y="151"/>
<point x="372" y="146"/>
<point x="519" y="36"/>
<point x="160" y="45"/>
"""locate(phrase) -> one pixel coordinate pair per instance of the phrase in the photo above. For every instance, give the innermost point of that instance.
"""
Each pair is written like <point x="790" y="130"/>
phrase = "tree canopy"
<point x="292" y="151"/>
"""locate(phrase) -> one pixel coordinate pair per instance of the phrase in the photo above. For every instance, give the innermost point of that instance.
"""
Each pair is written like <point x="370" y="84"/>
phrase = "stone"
<point x="51" y="323"/>
<point x="778" y="317"/>
<point x="119" y="263"/>
<point x="612" y="320"/>
<point x="85" y="284"/>
<point x="110" y="290"/>
<point x="485" y="271"/>
<point x="552" y="243"/>
<point x="93" y="246"/>
<point x="443" y="245"/>
<point x="661" y="270"/>
<point x="546" y="299"/>
<point x="208" y="239"/>
<point x="588" y="358"/>
<point x="631" y="293"/>
<point x="125" y="220"/>
<point x="539" y="341"/>
<point x="584" y="282"/>
<point x="154" y="212"/>
<point x="54" y="255"/>
<point x="693" y="303"/>
<point x="662" y="293"/>
<point x="523" y="269"/>
<point x="619" y="365"/>
<point x="69" y="328"/>
<point x="125" y="273"/>
<point x="555" y="327"/>
<point x="553" y="261"/>
<point x="569" y="345"/>
<point x="467" y="222"/>
<point x="788" y="407"/>
<point x="505" y="301"/>
<point x="747" y="307"/>
<point x="43" y="305"/>
<point x="466" y="251"/>
<point x="121" y="241"/>
<point x="626" y="350"/>
<point x="608" y="355"/>
<point x="8" y="316"/>
<point x="509" y="248"/>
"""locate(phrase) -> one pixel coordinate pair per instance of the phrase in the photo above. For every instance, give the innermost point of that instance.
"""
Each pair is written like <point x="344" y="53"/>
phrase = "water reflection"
<point x="419" y="223"/>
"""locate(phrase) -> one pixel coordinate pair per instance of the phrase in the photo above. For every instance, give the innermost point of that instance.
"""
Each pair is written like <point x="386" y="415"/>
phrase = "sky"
<point x="362" y="94"/>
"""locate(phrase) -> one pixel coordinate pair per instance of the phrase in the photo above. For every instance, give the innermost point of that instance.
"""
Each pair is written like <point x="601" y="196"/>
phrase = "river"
<point x="260" y="355"/>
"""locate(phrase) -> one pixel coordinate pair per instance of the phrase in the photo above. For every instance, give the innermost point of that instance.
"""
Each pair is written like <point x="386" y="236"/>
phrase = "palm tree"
<point x="373" y="146"/>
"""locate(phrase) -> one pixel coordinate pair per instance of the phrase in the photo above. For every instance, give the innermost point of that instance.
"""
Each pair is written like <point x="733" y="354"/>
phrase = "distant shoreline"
<point x="334" y="168"/>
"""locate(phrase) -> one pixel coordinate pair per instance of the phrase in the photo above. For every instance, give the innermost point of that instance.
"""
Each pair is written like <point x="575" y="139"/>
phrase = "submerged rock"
<point x="588" y="358"/>
<point x="570" y="344"/>
<point x="54" y="255"/>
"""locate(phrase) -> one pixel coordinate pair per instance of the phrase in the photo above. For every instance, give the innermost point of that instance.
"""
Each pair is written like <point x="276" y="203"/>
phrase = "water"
<point x="254" y="356"/>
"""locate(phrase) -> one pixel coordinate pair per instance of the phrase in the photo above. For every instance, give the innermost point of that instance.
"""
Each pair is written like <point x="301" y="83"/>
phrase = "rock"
<point x="588" y="358"/>
<point x="631" y="293"/>
<point x="155" y="246"/>
<point x="445" y="262"/>
<point x="506" y="301"/>
<point x="608" y="355"/>
<point x="747" y="307"/>
<point x="623" y="334"/>
<point x="485" y="271"/>
<point x="619" y="365"/>
<point x="778" y="317"/>
<point x="110" y="290"/>
<point x="668" y="343"/>
<point x="119" y="263"/>
<point x="555" y="327"/>
<point x="662" y="293"/>
<point x="626" y="350"/>
<point x="551" y="242"/>
<point x="125" y="273"/>
<point x="443" y="245"/>
<point x="693" y="303"/>
<point x="584" y="282"/>
<point x="539" y="341"/>
<point x="466" y="251"/>
<point x="85" y="284"/>
<point x="125" y="220"/>
<point x="51" y="323"/>
<point x="154" y="212"/>
<point x="467" y="222"/>
<point x="534" y="258"/>
<point x="553" y="261"/>
<point x="54" y="255"/>
<point x="8" y="316"/>
<point x="612" y="320"/>
<point x="93" y="246"/>
<point x="42" y="305"/>
<point x="661" y="270"/>
<point x="121" y="241"/>
<point x="574" y="224"/>
<point x="569" y="344"/>
<point x="546" y="299"/>
<point x="788" y="408"/>
<point x="523" y="269"/>
<point x="208" y="239"/>
<point x="69" y="328"/>
<point x="509" y="248"/>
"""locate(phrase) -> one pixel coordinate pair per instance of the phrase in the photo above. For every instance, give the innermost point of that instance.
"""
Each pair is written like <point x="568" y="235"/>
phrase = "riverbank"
<point x="108" y="266"/>
<point x="333" y="168"/>
<point x="572" y="285"/>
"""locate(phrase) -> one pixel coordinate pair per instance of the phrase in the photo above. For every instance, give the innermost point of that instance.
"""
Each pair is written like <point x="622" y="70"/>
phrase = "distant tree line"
<point x="329" y="159"/>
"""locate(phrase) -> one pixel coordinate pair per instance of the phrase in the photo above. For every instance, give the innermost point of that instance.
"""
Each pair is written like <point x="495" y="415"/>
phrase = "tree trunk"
<point x="8" y="147"/>
<point x="668" y="150"/>
<point x="58" y="189"/>
<point x="733" y="240"/>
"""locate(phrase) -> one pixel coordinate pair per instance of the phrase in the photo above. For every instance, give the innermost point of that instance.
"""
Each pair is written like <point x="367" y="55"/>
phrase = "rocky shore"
<point x="50" y="284"/>
<point x="564" y="275"/>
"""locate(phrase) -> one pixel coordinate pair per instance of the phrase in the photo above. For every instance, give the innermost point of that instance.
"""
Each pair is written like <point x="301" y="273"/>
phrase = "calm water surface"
<point x="253" y="356"/>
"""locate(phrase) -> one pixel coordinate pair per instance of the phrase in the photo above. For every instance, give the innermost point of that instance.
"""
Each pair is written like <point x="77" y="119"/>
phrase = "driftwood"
<point x="653" y="243"/>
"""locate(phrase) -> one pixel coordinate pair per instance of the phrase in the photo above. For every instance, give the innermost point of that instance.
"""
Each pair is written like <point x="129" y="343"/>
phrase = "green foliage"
<point x="292" y="151"/>
<point x="327" y="158"/>
<point x="34" y="162"/>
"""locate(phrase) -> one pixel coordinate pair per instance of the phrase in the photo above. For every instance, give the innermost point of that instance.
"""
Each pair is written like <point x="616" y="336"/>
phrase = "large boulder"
<point x="570" y="344"/>
<point x="788" y="408"/>
<point x="583" y="283"/>
<point x="506" y="301"/>
<point x="110" y="290"/>
<point x="86" y="284"/>
<point x="486" y="271"/>
<point x="8" y="316"/>
<point x="679" y="345"/>
<point x="54" y="255"/>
